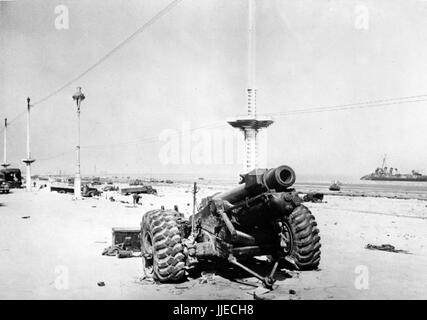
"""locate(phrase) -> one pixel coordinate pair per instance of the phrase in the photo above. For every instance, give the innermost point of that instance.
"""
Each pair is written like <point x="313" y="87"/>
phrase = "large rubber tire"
<point x="161" y="246"/>
<point x="305" y="244"/>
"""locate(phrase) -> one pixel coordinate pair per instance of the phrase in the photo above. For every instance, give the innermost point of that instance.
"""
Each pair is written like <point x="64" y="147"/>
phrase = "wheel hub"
<point x="147" y="257"/>
<point x="286" y="238"/>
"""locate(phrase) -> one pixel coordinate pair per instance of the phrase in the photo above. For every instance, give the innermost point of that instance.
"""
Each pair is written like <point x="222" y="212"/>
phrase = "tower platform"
<point x="28" y="161"/>
<point x="250" y="122"/>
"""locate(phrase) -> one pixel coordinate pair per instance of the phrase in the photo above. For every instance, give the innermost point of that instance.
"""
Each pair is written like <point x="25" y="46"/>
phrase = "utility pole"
<point x="28" y="161"/>
<point x="78" y="97"/>
<point x="194" y="197"/>
<point x="5" y="164"/>
<point x="193" y="229"/>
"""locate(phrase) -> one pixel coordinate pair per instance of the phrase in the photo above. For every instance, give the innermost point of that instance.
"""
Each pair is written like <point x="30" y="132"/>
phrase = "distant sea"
<point x="316" y="182"/>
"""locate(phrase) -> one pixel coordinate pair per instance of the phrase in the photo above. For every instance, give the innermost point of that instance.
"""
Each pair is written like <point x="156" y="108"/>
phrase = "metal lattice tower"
<point x="250" y="124"/>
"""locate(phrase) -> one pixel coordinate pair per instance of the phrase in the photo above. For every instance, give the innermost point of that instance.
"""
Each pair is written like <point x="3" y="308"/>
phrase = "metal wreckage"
<point x="263" y="216"/>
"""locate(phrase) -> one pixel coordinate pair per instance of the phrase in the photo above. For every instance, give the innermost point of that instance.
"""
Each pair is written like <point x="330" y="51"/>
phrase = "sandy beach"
<point x="51" y="248"/>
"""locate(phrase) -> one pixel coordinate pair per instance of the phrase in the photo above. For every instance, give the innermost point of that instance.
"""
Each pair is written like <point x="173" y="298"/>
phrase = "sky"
<point x="188" y="70"/>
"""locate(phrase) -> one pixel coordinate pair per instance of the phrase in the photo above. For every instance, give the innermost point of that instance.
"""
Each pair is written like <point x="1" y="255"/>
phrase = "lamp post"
<point x="78" y="97"/>
<point x="5" y="164"/>
<point x="28" y="161"/>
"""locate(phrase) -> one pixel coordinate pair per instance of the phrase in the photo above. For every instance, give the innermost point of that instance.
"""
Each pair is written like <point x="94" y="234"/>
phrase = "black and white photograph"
<point x="238" y="150"/>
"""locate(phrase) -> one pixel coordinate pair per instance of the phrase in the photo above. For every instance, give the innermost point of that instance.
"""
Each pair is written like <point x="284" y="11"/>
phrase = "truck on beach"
<point x="4" y="185"/>
<point x="13" y="177"/>
<point x="67" y="187"/>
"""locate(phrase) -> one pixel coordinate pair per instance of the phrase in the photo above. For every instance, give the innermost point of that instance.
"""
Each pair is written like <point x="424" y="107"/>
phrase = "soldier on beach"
<point x="136" y="198"/>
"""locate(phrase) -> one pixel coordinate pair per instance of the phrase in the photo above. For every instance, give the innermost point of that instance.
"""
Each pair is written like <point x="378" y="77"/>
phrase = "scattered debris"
<point x="315" y="197"/>
<point x="125" y="243"/>
<point x="101" y="284"/>
<point x="176" y="292"/>
<point x="385" y="247"/>
<point x="124" y="254"/>
<point x="146" y="281"/>
<point x="244" y="287"/>
<point x="245" y="284"/>
<point x="207" y="278"/>
<point x="110" y="251"/>
<point x="127" y="237"/>
<point x="262" y="293"/>
<point x="119" y="252"/>
<point x="182" y="287"/>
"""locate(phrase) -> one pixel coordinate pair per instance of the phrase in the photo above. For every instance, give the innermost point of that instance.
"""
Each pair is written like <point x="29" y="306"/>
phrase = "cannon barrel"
<point x="258" y="181"/>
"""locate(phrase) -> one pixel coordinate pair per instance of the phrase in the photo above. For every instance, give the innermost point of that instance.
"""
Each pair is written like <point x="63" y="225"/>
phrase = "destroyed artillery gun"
<point x="263" y="216"/>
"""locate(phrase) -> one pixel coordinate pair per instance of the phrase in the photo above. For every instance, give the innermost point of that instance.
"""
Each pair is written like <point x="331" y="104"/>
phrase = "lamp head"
<point x="78" y="95"/>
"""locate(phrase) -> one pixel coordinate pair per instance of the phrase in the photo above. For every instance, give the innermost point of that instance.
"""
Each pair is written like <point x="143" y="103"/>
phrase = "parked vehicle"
<point x="63" y="187"/>
<point x="13" y="177"/>
<point x="4" y="185"/>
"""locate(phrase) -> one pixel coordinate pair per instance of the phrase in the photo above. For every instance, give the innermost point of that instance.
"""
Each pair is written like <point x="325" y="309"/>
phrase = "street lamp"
<point x="28" y="161"/>
<point x="78" y="97"/>
<point x="5" y="164"/>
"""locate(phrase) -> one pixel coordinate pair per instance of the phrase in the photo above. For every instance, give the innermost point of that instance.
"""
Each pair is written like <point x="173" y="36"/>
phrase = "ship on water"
<point x="385" y="173"/>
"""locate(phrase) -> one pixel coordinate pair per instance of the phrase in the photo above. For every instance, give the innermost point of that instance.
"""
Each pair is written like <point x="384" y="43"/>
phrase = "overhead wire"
<point x="134" y="142"/>
<point x="155" y="18"/>
<point x="349" y="106"/>
<point x="150" y="22"/>
<point x="142" y="28"/>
